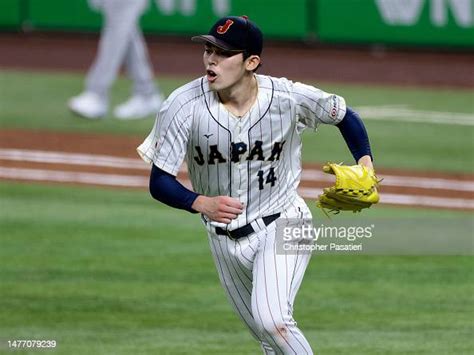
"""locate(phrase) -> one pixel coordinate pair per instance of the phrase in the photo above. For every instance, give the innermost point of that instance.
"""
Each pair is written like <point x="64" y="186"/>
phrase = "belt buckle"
<point x="228" y="233"/>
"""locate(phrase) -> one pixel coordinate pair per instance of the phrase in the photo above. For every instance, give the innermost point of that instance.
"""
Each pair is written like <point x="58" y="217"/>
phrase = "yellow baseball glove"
<point x="355" y="189"/>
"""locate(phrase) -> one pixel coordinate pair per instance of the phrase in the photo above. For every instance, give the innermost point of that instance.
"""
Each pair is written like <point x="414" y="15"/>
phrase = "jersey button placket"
<point x="239" y="167"/>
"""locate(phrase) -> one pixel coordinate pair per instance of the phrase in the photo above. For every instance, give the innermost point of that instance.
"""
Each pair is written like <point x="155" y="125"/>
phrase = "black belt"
<point x="247" y="229"/>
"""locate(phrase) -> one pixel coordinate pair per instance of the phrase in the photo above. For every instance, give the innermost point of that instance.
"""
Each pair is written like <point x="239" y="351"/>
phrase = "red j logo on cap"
<point x="225" y="27"/>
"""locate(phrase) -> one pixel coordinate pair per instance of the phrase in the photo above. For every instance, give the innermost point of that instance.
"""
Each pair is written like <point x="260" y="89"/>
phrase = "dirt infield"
<point x="104" y="160"/>
<point x="179" y="56"/>
<point x="94" y="159"/>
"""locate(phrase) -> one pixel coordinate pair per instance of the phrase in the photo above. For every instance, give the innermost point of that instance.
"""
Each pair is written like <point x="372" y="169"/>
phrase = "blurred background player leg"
<point x="145" y="98"/>
<point x="121" y="40"/>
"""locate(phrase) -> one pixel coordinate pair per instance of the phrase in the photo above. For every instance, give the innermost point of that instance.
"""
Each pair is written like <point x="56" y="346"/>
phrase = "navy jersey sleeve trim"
<point x="165" y="188"/>
<point x="353" y="130"/>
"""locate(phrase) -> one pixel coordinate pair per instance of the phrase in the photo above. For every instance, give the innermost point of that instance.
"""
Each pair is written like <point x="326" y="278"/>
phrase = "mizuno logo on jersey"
<point x="236" y="152"/>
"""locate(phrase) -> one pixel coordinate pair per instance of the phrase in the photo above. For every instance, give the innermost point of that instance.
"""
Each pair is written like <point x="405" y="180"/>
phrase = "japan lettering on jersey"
<point x="254" y="158"/>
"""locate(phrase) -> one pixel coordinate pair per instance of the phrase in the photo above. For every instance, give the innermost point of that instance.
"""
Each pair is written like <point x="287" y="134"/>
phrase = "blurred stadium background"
<point x="89" y="260"/>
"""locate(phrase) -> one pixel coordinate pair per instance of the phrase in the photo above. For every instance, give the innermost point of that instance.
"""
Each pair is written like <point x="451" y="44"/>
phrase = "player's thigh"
<point x="277" y="276"/>
<point x="236" y="280"/>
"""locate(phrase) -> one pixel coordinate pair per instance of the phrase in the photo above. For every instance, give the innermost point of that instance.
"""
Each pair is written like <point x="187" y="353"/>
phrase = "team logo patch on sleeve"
<point x="334" y="107"/>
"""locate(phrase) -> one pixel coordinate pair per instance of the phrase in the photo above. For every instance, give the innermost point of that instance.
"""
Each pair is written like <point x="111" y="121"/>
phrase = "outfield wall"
<point x="401" y="22"/>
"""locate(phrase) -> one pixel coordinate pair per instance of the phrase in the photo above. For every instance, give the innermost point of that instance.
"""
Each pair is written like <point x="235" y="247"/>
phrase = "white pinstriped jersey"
<point x="255" y="158"/>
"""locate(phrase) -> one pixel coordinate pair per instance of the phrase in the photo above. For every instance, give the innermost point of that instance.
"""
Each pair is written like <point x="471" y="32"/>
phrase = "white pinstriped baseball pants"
<point x="261" y="285"/>
<point x="121" y="41"/>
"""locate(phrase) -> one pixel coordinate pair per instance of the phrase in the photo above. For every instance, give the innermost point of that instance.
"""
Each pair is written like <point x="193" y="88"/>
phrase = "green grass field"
<point x="112" y="272"/>
<point x="38" y="101"/>
<point x="106" y="271"/>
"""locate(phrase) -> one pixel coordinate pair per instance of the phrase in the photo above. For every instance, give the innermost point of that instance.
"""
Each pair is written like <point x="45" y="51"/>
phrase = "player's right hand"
<point x="222" y="209"/>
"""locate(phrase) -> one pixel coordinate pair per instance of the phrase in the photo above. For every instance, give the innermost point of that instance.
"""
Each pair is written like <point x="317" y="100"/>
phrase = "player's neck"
<point x="240" y="98"/>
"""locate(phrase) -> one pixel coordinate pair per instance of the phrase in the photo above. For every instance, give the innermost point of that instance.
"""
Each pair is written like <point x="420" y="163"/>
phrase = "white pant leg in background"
<point x="121" y="38"/>
<point x="138" y="65"/>
<point x="262" y="286"/>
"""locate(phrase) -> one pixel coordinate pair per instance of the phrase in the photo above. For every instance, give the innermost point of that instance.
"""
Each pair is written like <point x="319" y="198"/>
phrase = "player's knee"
<point x="263" y="324"/>
<point x="274" y="328"/>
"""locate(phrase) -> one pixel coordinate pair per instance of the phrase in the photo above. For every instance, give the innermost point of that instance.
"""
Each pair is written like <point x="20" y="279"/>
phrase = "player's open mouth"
<point x="211" y="76"/>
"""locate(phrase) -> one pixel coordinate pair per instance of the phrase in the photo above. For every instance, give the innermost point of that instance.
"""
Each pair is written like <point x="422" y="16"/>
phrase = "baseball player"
<point x="121" y="41"/>
<point x="240" y="133"/>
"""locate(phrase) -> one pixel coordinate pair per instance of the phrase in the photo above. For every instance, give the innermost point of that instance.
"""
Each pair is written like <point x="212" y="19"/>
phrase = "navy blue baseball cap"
<point x="234" y="33"/>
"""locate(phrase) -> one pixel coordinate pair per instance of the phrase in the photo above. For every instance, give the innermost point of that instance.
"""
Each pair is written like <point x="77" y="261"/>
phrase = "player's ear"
<point x="252" y="62"/>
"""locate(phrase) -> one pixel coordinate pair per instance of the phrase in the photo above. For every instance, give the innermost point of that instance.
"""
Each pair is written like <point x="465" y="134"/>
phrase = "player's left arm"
<point x="366" y="160"/>
<point x="353" y="130"/>
<point x="314" y="106"/>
